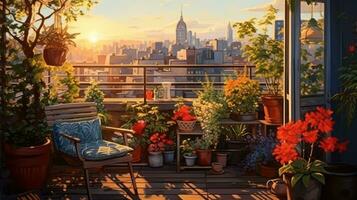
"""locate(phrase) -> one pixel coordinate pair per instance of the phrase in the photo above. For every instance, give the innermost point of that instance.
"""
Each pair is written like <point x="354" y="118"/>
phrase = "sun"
<point x="93" y="37"/>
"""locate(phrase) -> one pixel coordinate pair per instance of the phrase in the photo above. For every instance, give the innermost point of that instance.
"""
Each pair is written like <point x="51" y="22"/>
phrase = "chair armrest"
<point x="76" y="142"/>
<point x="120" y="132"/>
<point x="71" y="138"/>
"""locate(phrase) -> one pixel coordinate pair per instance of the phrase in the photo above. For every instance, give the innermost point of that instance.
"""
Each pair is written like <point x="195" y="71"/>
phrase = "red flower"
<point x="169" y="142"/>
<point x="320" y="119"/>
<point x="291" y="132"/>
<point x="342" y="147"/>
<point x="285" y="152"/>
<point x="351" y="48"/>
<point x="139" y="127"/>
<point x="329" y="144"/>
<point x="310" y="136"/>
<point x="183" y="113"/>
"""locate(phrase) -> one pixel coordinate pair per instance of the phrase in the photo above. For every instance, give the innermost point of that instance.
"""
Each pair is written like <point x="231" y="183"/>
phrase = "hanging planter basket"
<point x="54" y="56"/>
<point x="186" y="126"/>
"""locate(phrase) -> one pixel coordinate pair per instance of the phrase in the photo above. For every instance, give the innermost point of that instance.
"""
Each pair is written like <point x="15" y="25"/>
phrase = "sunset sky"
<point x="157" y="19"/>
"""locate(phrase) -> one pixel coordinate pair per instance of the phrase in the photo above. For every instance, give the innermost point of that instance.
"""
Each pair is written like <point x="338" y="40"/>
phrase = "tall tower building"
<point x="181" y="31"/>
<point x="189" y="38"/>
<point x="229" y="34"/>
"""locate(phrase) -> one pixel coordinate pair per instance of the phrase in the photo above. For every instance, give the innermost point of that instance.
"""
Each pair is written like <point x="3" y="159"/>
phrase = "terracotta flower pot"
<point x="54" y="56"/>
<point x="268" y="171"/>
<point x="273" y="109"/>
<point x="137" y="154"/>
<point x="28" y="166"/>
<point x="217" y="167"/>
<point x="204" y="157"/>
<point x="222" y="159"/>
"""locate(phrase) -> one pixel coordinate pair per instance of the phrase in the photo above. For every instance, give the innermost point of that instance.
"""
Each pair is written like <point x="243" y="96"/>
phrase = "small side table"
<point x="267" y="126"/>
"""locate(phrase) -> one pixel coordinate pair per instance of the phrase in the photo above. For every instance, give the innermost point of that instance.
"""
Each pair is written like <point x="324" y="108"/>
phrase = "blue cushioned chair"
<point x="77" y="133"/>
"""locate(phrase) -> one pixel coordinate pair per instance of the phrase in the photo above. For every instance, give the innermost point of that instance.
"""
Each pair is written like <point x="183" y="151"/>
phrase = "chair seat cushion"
<point x="99" y="150"/>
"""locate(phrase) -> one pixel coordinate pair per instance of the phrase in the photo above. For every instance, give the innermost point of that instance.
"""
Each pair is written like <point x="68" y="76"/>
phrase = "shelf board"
<point x="196" y="167"/>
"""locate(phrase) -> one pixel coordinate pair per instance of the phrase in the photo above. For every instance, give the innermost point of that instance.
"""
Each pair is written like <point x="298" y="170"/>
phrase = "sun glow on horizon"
<point x="93" y="37"/>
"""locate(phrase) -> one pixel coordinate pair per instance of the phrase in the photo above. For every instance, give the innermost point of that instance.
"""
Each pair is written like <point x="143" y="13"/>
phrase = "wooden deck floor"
<point x="161" y="183"/>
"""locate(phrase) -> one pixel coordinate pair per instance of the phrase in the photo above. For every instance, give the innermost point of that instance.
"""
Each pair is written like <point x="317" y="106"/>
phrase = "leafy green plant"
<point x="25" y="21"/>
<point x="94" y="94"/>
<point x="210" y="107"/>
<point x="235" y="132"/>
<point x="347" y="96"/>
<point x="57" y="38"/>
<point x="264" y="52"/>
<point x="203" y="143"/>
<point x="187" y="147"/>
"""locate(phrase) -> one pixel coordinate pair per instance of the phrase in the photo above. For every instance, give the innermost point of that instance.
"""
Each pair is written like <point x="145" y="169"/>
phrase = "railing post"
<point x="144" y="74"/>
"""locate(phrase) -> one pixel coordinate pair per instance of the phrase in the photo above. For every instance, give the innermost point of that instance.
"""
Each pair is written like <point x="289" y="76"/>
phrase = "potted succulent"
<point x="242" y="95"/>
<point x="184" y="117"/>
<point x="204" y="152"/>
<point x="189" y="153"/>
<point x="261" y="158"/>
<point x="302" y="172"/>
<point x="267" y="55"/>
<point x="57" y="42"/>
<point x="155" y="150"/>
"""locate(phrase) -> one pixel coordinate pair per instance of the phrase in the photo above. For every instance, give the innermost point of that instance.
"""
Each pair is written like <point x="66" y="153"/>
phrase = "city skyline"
<point x="157" y="21"/>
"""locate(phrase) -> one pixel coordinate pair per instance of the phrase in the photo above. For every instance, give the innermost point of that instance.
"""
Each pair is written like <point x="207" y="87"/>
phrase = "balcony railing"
<point x="130" y="81"/>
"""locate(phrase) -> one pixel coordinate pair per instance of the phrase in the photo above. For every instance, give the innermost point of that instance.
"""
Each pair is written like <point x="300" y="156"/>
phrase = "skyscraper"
<point x="181" y="31"/>
<point x="189" y="38"/>
<point x="229" y="34"/>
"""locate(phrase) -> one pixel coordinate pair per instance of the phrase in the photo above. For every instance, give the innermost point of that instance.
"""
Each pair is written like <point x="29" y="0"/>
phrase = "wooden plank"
<point x="242" y="196"/>
<point x="69" y="105"/>
<point x="72" y="110"/>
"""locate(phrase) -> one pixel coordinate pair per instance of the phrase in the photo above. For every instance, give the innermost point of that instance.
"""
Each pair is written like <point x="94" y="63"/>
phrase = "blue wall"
<point x="343" y="16"/>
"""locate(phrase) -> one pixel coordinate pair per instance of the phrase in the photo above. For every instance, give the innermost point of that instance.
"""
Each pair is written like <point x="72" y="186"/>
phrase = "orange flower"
<point x="310" y="136"/>
<point x="342" y="147"/>
<point x="285" y="152"/>
<point x="291" y="132"/>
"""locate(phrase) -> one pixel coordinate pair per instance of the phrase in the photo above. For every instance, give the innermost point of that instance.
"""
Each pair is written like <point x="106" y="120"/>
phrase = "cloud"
<point x="280" y="5"/>
<point x="194" y="24"/>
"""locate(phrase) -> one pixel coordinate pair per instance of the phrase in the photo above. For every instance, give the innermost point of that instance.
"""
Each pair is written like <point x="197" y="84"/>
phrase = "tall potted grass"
<point x="267" y="55"/>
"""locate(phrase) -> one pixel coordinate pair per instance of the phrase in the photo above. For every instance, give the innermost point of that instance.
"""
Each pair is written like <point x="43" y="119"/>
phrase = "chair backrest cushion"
<point x="87" y="131"/>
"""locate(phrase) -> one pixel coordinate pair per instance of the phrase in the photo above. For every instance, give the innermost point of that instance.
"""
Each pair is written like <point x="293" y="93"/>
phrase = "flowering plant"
<point x="184" y="113"/>
<point x="242" y="94"/>
<point x="312" y="132"/>
<point x="158" y="142"/>
<point x="187" y="147"/>
<point x="210" y="107"/>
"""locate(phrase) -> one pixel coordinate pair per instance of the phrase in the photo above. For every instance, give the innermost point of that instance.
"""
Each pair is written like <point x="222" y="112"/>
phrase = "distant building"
<point x="279" y="30"/>
<point x="102" y="59"/>
<point x="190" y="39"/>
<point x="158" y="46"/>
<point x="229" y="34"/>
<point x="181" y="31"/>
<point x="217" y="45"/>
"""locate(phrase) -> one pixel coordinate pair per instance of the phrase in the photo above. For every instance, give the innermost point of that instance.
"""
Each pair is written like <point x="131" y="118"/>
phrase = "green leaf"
<point x="319" y="177"/>
<point x="295" y="179"/>
<point x="306" y="180"/>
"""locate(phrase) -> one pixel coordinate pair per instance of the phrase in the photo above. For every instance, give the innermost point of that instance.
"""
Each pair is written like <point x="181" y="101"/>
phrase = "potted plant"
<point x="27" y="146"/>
<point x="57" y="42"/>
<point x="155" y="150"/>
<point x="184" y="117"/>
<point x="302" y="172"/>
<point x="210" y="108"/>
<point x="203" y="150"/>
<point x="188" y="151"/>
<point x="242" y="96"/>
<point x="94" y="94"/>
<point x="267" y="55"/>
<point x="146" y="120"/>
<point x="261" y="158"/>
<point x="169" y="150"/>
<point x="236" y="137"/>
